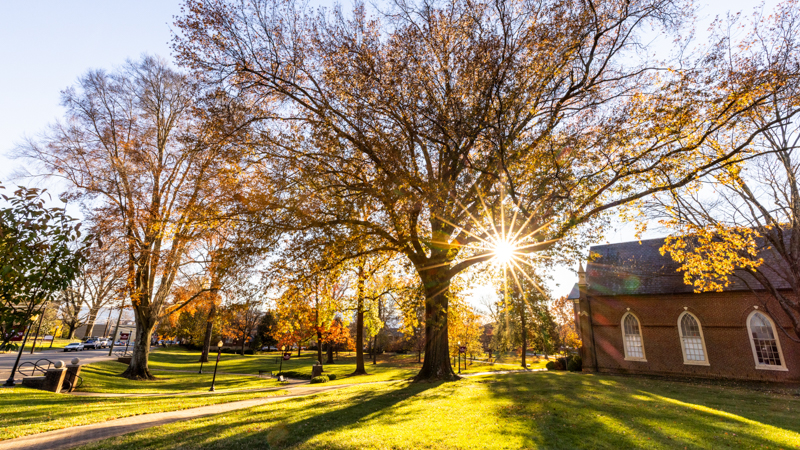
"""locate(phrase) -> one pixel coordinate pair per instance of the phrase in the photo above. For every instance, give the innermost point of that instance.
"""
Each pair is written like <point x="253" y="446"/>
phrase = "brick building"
<point x="636" y="315"/>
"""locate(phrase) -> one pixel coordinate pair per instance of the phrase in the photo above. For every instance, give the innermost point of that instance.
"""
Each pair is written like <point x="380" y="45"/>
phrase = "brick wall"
<point x="722" y="317"/>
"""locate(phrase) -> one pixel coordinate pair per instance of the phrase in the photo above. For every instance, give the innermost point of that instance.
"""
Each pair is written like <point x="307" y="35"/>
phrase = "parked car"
<point x="74" y="347"/>
<point x="93" y="343"/>
<point x="106" y="342"/>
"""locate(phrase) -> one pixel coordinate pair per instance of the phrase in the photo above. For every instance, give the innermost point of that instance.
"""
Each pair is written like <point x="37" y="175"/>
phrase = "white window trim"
<point x="641" y="336"/>
<point x="759" y="366"/>
<point x="702" y="339"/>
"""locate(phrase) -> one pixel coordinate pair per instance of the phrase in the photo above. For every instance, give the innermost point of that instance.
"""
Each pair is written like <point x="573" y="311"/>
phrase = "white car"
<point x="74" y="347"/>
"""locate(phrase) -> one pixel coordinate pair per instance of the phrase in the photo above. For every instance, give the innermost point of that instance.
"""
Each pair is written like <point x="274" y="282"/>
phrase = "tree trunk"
<point x="244" y="336"/>
<point x="374" y="349"/>
<point x="319" y="347"/>
<point x="330" y="354"/>
<point x="375" y="338"/>
<point x="360" y="370"/>
<point x="212" y="314"/>
<point x="437" y="354"/>
<point x="71" y="328"/>
<point x="138" y="368"/>
<point x="90" y="322"/>
<point x="298" y="348"/>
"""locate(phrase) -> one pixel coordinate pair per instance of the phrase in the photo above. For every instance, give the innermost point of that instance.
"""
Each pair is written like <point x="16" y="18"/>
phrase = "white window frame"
<point x="702" y="340"/>
<point x="641" y="336"/>
<point x="760" y="366"/>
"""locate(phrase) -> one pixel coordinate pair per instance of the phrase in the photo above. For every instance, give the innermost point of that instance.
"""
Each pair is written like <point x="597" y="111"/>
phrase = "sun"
<point x="504" y="251"/>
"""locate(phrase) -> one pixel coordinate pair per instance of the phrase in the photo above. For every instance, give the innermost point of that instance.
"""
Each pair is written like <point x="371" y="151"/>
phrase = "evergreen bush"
<point x="294" y="374"/>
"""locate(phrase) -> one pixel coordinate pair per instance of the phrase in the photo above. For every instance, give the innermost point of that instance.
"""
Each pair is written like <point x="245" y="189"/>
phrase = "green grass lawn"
<point x="388" y="367"/>
<point x="103" y="377"/>
<point x="515" y="359"/>
<point x="538" y="410"/>
<point x="26" y="411"/>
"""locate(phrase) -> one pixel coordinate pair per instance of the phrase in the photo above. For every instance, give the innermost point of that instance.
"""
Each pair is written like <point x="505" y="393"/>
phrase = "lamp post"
<point x="10" y="381"/>
<point x="219" y="352"/>
<point x="283" y="349"/>
<point x="38" y="328"/>
<point x="116" y="330"/>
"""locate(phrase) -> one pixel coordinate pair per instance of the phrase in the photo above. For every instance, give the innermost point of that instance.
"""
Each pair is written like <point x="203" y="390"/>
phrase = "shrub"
<point x="575" y="364"/>
<point x="558" y="364"/>
<point x="320" y="379"/>
<point x="248" y="352"/>
<point x="331" y="376"/>
<point x="572" y="365"/>
<point x="550" y="365"/>
<point x="294" y="374"/>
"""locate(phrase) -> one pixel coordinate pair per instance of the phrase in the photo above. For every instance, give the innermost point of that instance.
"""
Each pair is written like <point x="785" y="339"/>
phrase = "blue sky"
<point x="46" y="44"/>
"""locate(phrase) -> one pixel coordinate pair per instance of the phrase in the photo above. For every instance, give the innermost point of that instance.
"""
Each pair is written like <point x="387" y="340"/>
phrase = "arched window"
<point x="632" y="338"/>
<point x="764" y="341"/>
<point x="692" y="342"/>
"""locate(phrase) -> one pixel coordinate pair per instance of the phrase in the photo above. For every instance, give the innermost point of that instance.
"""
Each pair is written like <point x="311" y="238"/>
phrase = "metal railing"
<point x="33" y="367"/>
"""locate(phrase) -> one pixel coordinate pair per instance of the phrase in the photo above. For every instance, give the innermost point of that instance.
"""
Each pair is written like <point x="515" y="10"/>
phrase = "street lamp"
<point x="219" y="352"/>
<point x="283" y="349"/>
<point x="36" y="336"/>
<point x="10" y="381"/>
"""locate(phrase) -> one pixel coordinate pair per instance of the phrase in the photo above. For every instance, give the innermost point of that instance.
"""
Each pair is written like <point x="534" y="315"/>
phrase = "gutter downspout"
<point x="582" y="288"/>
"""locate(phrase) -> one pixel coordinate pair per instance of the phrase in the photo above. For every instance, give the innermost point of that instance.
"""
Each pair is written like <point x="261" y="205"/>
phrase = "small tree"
<point x="41" y="252"/>
<point x="266" y="331"/>
<point x="563" y="313"/>
<point x="465" y="328"/>
<point x="243" y="319"/>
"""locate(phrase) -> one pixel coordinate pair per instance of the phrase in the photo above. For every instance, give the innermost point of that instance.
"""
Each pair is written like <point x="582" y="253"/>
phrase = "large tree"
<point x="141" y="149"/>
<point x="438" y="116"/>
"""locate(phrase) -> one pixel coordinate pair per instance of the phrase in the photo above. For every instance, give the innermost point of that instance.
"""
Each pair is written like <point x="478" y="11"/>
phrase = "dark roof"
<point x="637" y="268"/>
<point x="575" y="293"/>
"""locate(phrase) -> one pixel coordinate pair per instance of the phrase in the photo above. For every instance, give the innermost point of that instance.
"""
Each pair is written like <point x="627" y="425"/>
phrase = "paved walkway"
<point x="288" y="386"/>
<point x="82" y="435"/>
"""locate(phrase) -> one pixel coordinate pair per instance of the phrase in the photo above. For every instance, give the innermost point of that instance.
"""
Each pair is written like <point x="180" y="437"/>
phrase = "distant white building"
<point x="104" y="329"/>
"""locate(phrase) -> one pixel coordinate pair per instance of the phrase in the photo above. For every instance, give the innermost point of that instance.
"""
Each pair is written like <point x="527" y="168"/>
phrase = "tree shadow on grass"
<point x="271" y="426"/>
<point x="564" y="410"/>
